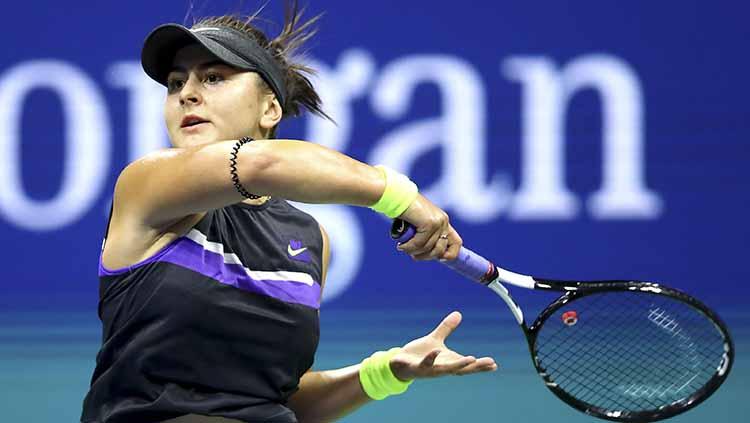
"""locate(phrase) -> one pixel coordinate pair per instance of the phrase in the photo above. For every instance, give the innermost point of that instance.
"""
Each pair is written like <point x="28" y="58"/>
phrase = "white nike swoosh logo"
<point x="293" y="252"/>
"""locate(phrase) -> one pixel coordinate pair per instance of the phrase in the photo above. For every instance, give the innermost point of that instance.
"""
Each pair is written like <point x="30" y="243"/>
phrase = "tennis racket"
<point x="619" y="350"/>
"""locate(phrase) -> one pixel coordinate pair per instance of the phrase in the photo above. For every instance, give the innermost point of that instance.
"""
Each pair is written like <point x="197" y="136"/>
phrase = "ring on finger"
<point x="444" y="236"/>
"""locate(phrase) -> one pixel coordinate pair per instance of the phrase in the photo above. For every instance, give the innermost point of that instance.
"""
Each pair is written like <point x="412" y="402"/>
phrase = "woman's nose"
<point x="190" y="92"/>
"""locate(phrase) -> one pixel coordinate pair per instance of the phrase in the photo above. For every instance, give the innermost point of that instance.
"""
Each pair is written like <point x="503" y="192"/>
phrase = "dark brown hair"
<point x="286" y="48"/>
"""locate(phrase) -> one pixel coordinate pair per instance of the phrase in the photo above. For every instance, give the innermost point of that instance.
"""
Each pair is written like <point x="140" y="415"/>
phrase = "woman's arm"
<point x="325" y="396"/>
<point x="173" y="183"/>
<point x="328" y="395"/>
<point x="165" y="186"/>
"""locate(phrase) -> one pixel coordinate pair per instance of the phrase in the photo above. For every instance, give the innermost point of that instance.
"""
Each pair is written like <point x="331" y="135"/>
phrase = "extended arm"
<point x="165" y="186"/>
<point x="325" y="396"/>
<point x="174" y="183"/>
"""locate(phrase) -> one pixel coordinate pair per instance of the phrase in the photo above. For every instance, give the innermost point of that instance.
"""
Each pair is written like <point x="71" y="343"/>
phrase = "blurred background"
<point x="572" y="140"/>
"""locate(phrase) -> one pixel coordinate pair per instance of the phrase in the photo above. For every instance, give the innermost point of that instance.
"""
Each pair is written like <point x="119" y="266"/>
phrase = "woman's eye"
<point x="174" y="84"/>
<point x="213" y="78"/>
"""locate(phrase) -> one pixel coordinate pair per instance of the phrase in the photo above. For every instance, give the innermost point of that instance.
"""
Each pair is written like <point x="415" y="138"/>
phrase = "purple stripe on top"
<point x="103" y="271"/>
<point x="187" y="253"/>
<point x="193" y="256"/>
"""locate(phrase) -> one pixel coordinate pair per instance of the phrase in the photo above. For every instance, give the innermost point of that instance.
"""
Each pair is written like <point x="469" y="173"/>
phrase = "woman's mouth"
<point x="192" y="120"/>
<point x="194" y="127"/>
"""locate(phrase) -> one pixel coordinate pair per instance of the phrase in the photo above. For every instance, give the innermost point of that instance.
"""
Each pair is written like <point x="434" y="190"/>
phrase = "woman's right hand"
<point x="435" y="237"/>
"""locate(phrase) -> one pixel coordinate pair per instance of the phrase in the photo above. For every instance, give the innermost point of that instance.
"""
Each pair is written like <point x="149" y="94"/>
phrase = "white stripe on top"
<point x="231" y="258"/>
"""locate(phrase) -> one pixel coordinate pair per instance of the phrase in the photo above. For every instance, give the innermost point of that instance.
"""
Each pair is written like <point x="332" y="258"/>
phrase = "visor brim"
<point x="163" y="43"/>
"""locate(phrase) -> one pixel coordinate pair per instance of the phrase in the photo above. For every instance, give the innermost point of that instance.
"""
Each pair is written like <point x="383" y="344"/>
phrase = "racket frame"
<point x="574" y="290"/>
<point x="483" y="271"/>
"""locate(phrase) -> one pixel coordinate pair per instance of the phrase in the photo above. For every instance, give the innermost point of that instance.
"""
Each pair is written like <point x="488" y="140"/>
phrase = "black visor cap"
<point x="229" y="46"/>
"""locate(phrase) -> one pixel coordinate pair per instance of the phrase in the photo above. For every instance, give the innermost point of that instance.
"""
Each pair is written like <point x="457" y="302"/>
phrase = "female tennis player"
<point x="210" y="282"/>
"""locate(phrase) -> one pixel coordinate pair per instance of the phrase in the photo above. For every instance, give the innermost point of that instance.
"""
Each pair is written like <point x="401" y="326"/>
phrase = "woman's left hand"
<point x="428" y="356"/>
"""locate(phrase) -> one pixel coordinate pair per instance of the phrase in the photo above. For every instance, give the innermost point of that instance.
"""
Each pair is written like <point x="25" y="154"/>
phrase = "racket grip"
<point x="468" y="263"/>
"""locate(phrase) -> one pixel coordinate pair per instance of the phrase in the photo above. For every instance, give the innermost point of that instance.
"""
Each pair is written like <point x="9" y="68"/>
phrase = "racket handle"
<point x="468" y="263"/>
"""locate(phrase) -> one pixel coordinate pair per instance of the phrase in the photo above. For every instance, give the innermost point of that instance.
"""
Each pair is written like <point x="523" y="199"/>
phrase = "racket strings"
<point x="634" y="367"/>
<point x="599" y="379"/>
<point x="630" y="351"/>
<point x="635" y="370"/>
<point x="642" y="390"/>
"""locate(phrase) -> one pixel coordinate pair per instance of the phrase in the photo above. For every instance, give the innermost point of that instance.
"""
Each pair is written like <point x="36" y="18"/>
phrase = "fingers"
<point x="443" y="243"/>
<point x="455" y="366"/>
<point x="459" y="367"/>
<point x="429" y="241"/>
<point x="447" y="326"/>
<point x="417" y="242"/>
<point x="434" y="248"/>
<point x="454" y="242"/>
<point x="446" y="249"/>
<point x="484" y="364"/>
<point x="433" y="230"/>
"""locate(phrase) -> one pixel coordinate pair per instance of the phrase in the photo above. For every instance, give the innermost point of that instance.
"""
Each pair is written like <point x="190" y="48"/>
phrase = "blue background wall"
<point x="645" y="101"/>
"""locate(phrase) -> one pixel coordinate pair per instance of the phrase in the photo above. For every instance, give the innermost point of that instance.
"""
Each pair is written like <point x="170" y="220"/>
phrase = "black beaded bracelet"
<point x="233" y="169"/>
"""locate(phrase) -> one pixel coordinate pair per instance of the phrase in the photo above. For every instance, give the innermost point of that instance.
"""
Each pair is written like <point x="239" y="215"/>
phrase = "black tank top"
<point x="223" y="321"/>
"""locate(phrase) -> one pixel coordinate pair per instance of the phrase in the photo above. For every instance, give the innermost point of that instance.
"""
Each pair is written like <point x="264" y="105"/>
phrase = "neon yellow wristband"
<point x="398" y="195"/>
<point x="376" y="376"/>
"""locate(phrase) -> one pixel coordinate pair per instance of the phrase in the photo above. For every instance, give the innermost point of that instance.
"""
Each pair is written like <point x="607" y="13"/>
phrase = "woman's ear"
<point x="271" y="112"/>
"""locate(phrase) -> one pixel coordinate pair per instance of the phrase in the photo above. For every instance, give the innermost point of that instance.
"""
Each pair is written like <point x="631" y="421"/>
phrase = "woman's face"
<point x="229" y="100"/>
